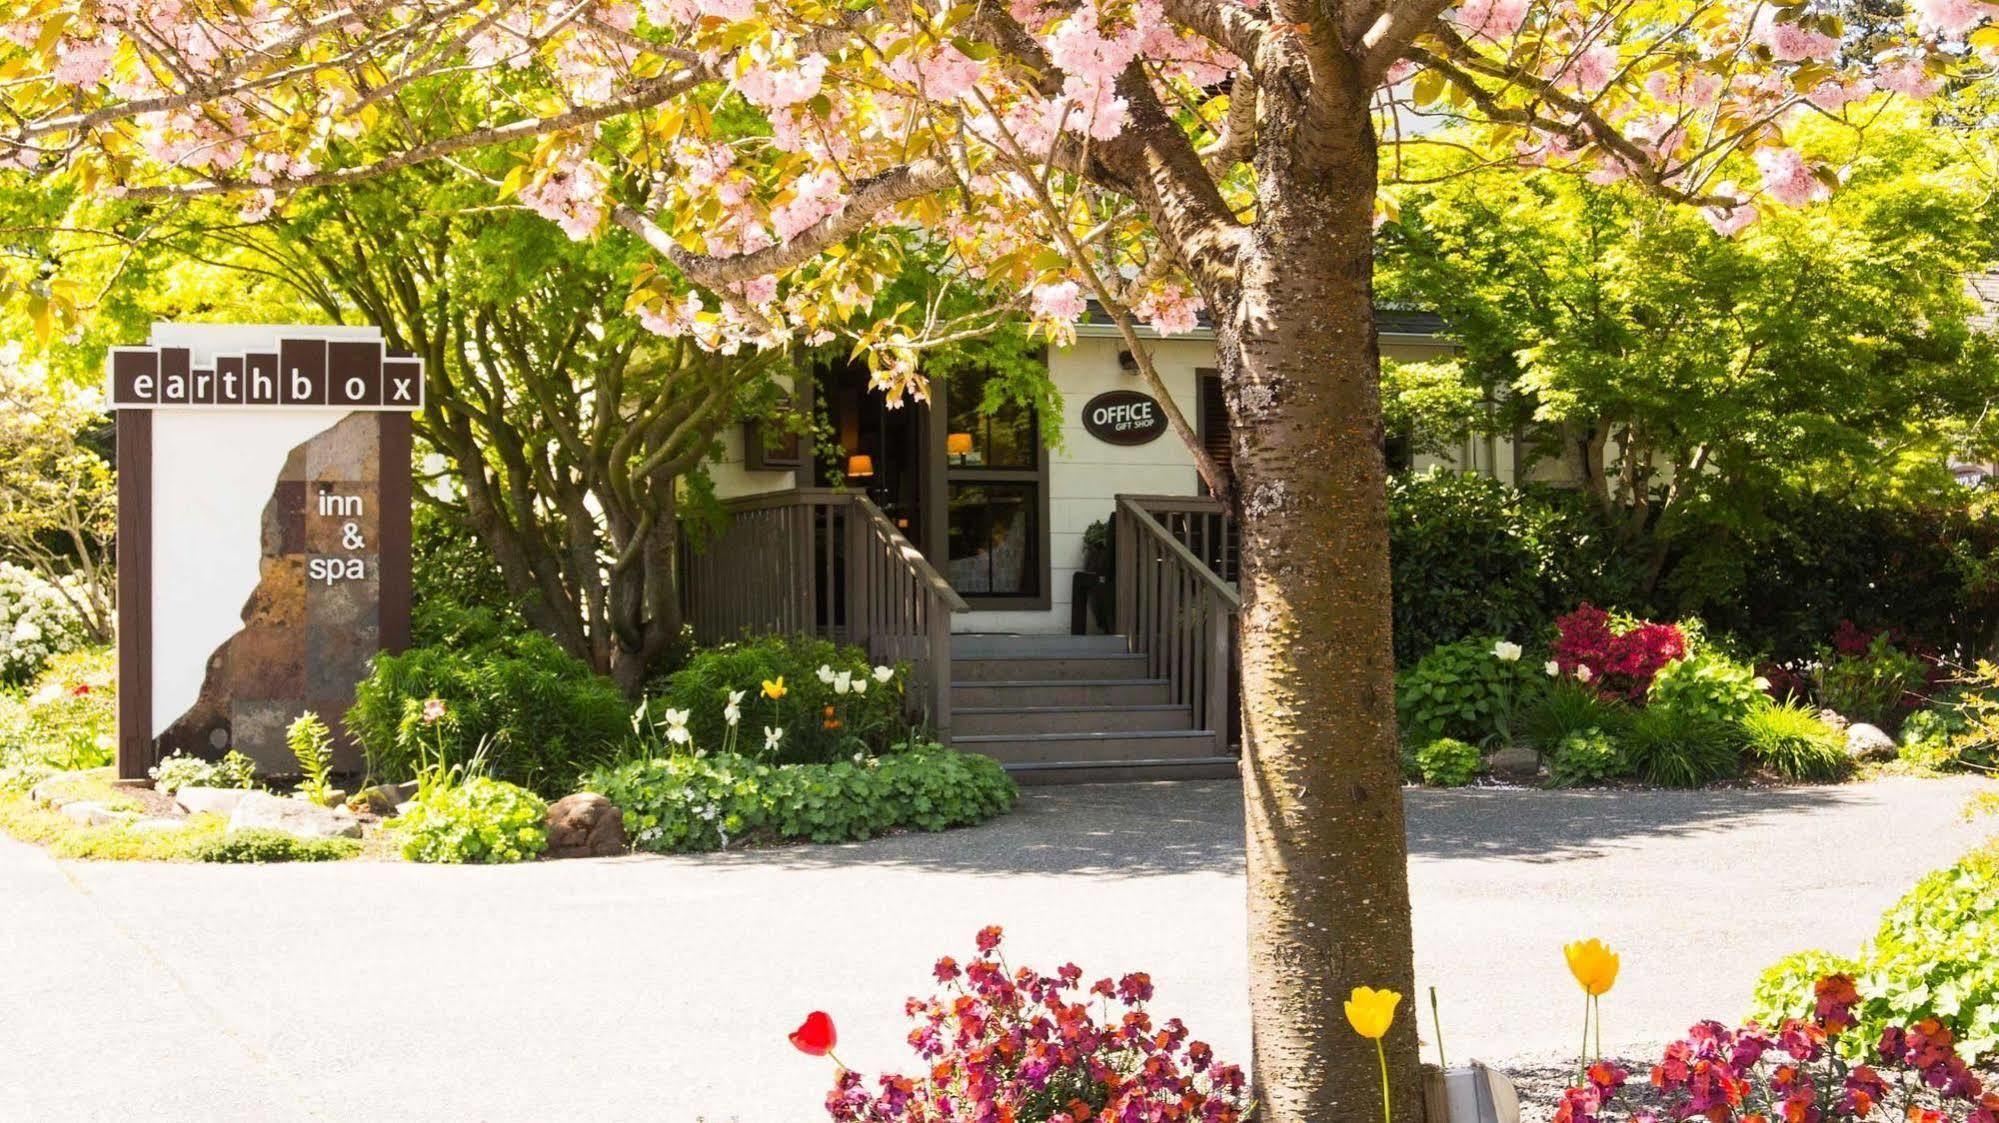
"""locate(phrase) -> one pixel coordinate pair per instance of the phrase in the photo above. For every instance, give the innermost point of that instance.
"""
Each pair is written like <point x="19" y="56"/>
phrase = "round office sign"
<point x="1124" y="417"/>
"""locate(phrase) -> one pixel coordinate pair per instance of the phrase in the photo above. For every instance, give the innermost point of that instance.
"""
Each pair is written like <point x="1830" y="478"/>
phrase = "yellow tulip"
<point x="774" y="688"/>
<point x="1593" y="964"/>
<point x="1371" y="1011"/>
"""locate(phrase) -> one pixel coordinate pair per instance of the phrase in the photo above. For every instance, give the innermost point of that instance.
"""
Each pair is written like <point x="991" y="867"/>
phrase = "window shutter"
<point x="1211" y="419"/>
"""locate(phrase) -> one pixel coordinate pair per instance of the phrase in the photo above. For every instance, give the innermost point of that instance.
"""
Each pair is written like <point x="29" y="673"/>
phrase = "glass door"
<point x="995" y="496"/>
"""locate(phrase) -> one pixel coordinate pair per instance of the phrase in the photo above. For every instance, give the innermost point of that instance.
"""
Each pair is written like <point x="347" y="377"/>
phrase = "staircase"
<point x="1074" y="710"/>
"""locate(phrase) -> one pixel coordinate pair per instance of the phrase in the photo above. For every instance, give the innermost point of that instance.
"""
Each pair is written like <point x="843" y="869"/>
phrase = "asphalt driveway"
<point x="662" y="988"/>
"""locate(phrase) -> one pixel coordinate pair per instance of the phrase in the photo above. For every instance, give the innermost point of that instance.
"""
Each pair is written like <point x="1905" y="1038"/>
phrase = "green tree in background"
<point x="1684" y="377"/>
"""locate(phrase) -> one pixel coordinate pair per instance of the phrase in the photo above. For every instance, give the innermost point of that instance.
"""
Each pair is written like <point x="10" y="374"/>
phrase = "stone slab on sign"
<point x="308" y="632"/>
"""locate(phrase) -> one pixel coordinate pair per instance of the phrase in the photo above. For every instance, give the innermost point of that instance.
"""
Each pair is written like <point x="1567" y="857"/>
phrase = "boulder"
<point x="1868" y="742"/>
<point x="295" y="817"/>
<point x="213" y="801"/>
<point x="383" y="799"/>
<point x="1514" y="762"/>
<point x="92" y="814"/>
<point x="585" y="825"/>
<point x="155" y="826"/>
<point x="51" y="791"/>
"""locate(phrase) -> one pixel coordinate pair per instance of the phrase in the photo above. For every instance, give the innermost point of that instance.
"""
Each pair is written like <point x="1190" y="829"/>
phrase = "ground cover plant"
<point x="693" y="802"/>
<point x="474" y="820"/>
<point x="1931" y="959"/>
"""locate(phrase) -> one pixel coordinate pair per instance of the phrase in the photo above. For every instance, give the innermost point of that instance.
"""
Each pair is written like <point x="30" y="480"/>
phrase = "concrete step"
<point x="1068" y="719"/>
<point x="1125" y="771"/>
<point x="1004" y="645"/>
<point x="1044" y="667"/>
<point x="1095" y="748"/>
<point x="1026" y="693"/>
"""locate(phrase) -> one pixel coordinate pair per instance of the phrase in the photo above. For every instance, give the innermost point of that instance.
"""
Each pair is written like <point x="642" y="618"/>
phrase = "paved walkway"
<point x="663" y="988"/>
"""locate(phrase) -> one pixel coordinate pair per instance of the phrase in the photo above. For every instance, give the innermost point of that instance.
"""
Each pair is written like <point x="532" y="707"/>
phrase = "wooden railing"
<point x="1177" y="611"/>
<point x="828" y="563"/>
<point x="1202" y="525"/>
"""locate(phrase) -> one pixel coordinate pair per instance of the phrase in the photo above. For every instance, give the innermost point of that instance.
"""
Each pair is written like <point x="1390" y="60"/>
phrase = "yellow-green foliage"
<point x="65" y="720"/>
<point x="110" y="842"/>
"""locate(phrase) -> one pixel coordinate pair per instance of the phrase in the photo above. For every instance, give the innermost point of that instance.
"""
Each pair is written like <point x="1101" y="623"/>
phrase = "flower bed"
<point x="693" y="802"/>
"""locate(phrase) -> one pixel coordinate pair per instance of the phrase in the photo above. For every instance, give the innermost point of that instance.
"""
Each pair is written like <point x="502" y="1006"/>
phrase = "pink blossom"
<point x="1170" y="309"/>
<point x="1910" y="78"/>
<point x="85" y="64"/>
<point x="1591" y="69"/>
<point x="1790" y="42"/>
<point x="1950" y="17"/>
<point x="815" y="195"/>
<point x="1787" y="179"/>
<point x="570" y="195"/>
<point x="1696" y="88"/>
<point x="943" y="73"/>
<point x="1061" y="302"/>
<point x="1495" y="19"/>
<point x="774" y="88"/>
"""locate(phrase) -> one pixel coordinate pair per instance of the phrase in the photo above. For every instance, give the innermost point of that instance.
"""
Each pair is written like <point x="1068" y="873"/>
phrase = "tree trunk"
<point x="1327" y="857"/>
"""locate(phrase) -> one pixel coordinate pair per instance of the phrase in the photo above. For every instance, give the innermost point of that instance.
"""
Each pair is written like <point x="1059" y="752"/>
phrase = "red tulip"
<point x="81" y="689"/>
<point x="815" y="1037"/>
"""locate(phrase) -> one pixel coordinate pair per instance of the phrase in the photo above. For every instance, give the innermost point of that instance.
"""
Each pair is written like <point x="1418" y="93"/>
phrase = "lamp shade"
<point x="958" y="444"/>
<point x="860" y="464"/>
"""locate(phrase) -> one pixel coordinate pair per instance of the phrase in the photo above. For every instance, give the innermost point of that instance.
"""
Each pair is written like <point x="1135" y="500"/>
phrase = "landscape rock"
<point x="384" y="799"/>
<point x="214" y="801"/>
<point x="1514" y="762"/>
<point x="49" y="792"/>
<point x="1868" y="742"/>
<point x="295" y="817"/>
<point x="153" y="826"/>
<point x="585" y="825"/>
<point x="93" y="814"/>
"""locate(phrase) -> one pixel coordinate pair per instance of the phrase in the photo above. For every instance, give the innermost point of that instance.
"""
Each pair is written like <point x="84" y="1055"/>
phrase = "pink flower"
<point x="1787" y="179"/>
<point x="433" y="711"/>
<point x="1495" y="19"/>
<point x="1950" y="17"/>
<point x="1061" y="302"/>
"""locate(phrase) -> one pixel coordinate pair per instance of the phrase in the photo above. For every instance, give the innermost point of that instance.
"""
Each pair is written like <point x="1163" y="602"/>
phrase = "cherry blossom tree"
<point x="1157" y="157"/>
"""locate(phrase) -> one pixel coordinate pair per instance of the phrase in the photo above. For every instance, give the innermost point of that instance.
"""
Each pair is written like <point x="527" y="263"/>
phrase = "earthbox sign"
<point x="1124" y="417"/>
<point x="263" y="533"/>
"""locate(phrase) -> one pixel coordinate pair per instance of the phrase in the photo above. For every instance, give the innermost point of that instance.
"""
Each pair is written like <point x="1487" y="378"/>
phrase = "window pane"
<point x="993" y="536"/>
<point x="1003" y="439"/>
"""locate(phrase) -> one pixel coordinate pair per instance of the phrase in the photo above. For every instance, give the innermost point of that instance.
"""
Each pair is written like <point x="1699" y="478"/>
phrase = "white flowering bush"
<point x="36" y="624"/>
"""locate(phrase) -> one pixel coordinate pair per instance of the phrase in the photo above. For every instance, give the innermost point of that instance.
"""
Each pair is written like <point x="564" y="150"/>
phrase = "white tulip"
<point x="883" y="674"/>
<point x="771" y="738"/>
<point x="1506" y="652"/>
<point x="1553" y="668"/>
<point x="860" y="684"/>
<point x="825" y="674"/>
<point x="1582" y="673"/>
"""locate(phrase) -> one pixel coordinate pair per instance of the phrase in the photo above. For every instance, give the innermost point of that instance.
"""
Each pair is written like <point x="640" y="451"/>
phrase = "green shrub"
<point x="1447" y="763"/>
<point x="262" y="845"/>
<point x="1461" y="690"/>
<point x="1871" y="686"/>
<point x="708" y="802"/>
<point x="1563" y="706"/>
<point x="1586" y="756"/>
<point x="66" y="721"/>
<point x="543" y="717"/>
<point x="1959" y="728"/>
<point x="1705" y="687"/>
<point x="821" y="721"/>
<point x="178" y="771"/>
<point x="459" y="573"/>
<point x="1790" y="740"/>
<point x="1932" y="957"/>
<point x="1472" y="556"/>
<point x="477" y="820"/>
<point x="1674" y="752"/>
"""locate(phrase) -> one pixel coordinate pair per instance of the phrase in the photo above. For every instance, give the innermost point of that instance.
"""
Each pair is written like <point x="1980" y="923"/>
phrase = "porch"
<point x="1150" y="697"/>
